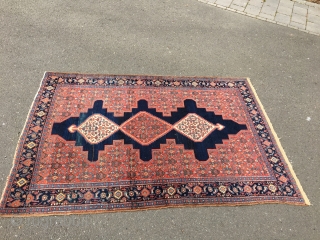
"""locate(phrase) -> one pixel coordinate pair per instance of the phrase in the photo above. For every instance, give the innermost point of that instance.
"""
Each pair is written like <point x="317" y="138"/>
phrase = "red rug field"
<point x="101" y="143"/>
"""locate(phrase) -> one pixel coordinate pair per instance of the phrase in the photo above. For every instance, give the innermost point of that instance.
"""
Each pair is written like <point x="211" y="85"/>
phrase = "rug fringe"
<point x="305" y="198"/>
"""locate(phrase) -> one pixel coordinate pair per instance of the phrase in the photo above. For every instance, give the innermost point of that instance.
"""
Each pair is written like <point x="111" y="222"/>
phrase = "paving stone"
<point x="298" y="18"/>
<point x="211" y="1"/>
<point x="284" y="10"/>
<point x="313" y="27"/>
<point x="257" y="3"/>
<point x="254" y="10"/>
<point x="225" y="3"/>
<point x="236" y="7"/>
<point x="314" y="11"/>
<point x="267" y="16"/>
<point x="300" y="11"/>
<point x="241" y="3"/>
<point x="285" y="19"/>
<point x="301" y="5"/>
<point x="297" y="25"/>
<point x="273" y="3"/>
<point x="286" y="3"/>
<point x="268" y="10"/>
<point x="313" y="18"/>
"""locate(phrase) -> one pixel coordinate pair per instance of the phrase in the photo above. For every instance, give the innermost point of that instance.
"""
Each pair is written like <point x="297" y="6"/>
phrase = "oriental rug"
<point x="99" y="143"/>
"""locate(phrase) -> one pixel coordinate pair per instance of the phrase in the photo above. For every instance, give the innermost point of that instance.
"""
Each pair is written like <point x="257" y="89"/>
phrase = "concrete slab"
<point x="183" y="37"/>
<point x="282" y="18"/>
<point x="284" y="10"/>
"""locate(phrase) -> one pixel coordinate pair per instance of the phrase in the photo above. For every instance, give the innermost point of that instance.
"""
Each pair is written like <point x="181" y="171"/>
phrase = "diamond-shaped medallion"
<point x="21" y="182"/>
<point x="31" y="145"/>
<point x="96" y="128"/>
<point x="195" y="127"/>
<point x="118" y="194"/>
<point x="41" y="113"/>
<point x="171" y="191"/>
<point x="60" y="197"/>
<point x="145" y="128"/>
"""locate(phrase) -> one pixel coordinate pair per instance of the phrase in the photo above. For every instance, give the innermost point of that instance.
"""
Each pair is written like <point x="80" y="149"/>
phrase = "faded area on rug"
<point x="98" y="143"/>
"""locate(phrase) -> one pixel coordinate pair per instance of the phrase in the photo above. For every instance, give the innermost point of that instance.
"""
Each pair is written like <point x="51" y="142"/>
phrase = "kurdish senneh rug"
<point x="98" y="143"/>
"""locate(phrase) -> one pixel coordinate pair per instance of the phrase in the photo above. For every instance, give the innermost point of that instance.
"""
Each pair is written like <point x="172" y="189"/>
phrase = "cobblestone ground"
<point x="301" y="15"/>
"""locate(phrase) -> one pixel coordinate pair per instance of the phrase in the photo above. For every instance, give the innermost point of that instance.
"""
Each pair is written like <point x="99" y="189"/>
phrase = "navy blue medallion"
<point x="146" y="129"/>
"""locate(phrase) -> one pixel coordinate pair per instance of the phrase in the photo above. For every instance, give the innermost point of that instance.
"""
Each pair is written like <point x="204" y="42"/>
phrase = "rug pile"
<point x="99" y="143"/>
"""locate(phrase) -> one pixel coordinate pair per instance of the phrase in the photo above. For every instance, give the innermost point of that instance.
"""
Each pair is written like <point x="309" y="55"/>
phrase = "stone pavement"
<point x="301" y="15"/>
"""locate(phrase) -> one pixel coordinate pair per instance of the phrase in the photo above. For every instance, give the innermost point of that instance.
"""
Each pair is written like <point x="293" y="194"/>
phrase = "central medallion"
<point x="145" y="128"/>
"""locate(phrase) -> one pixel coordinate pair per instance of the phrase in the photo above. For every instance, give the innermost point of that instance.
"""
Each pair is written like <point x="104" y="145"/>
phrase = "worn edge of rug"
<point x="304" y="195"/>
<point x="82" y="212"/>
<point x="14" y="165"/>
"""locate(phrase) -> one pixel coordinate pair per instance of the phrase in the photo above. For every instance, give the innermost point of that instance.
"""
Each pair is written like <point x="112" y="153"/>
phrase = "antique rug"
<point x="100" y="143"/>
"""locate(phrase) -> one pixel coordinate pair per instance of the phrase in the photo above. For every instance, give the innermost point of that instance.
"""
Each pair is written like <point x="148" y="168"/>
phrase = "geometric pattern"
<point x="145" y="128"/>
<point x="96" y="128"/>
<point x="195" y="127"/>
<point x="100" y="143"/>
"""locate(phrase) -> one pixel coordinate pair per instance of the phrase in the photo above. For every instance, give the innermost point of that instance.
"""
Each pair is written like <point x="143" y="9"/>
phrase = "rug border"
<point x="46" y="73"/>
<point x="14" y="164"/>
<point x="304" y="196"/>
<point x="101" y="211"/>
